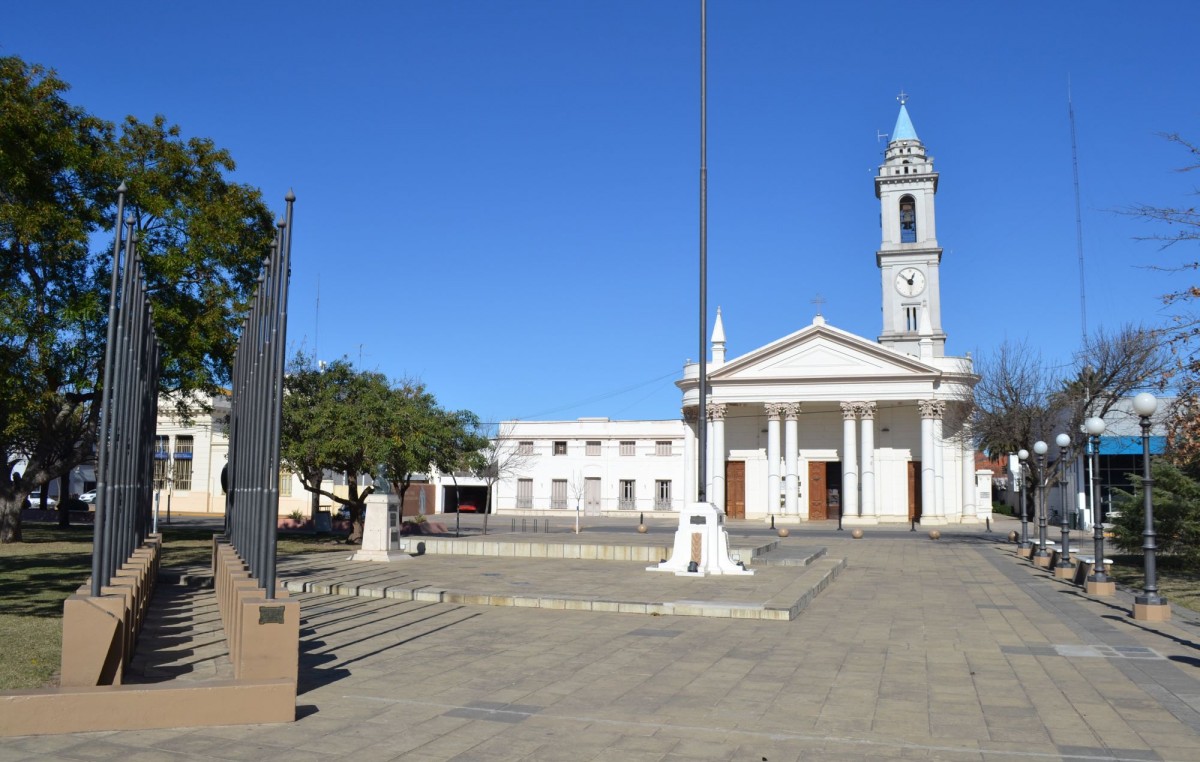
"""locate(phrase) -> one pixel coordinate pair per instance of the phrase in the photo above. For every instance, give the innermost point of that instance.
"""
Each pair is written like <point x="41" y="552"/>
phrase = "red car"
<point x="467" y="508"/>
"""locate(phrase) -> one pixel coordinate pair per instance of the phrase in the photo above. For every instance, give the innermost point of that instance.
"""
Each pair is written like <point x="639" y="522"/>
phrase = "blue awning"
<point x="1131" y="445"/>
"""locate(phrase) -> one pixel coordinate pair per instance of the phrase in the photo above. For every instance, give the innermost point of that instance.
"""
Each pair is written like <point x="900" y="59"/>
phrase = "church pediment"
<point x="821" y="352"/>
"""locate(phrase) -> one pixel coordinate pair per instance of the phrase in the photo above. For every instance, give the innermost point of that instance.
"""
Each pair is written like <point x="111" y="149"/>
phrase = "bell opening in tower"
<point x="908" y="220"/>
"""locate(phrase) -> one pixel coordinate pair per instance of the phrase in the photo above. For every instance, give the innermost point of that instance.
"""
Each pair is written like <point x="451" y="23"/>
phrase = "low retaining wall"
<point x="98" y="639"/>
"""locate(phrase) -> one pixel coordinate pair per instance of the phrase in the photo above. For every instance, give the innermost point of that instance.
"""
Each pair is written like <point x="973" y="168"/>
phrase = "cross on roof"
<point x="902" y="97"/>
<point x="819" y="301"/>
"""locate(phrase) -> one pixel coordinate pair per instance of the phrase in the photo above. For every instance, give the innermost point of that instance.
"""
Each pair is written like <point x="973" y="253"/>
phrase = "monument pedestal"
<point x="701" y="545"/>
<point x="381" y="532"/>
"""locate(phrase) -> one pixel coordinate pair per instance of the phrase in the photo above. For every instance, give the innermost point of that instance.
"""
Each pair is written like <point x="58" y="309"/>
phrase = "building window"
<point x="525" y="447"/>
<point x="560" y="448"/>
<point x="162" y="467"/>
<point x="183" y="463"/>
<point x="662" y="448"/>
<point x="593" y="448"/>
<point x="908" y="219"/>
<point x="558" y="493"/>
<point x="183" y="474"/>
<point x="662" y="495"/>
<point x="285" y="483"/>
<point x="162" y="447"/>
<point x="912" y="315"/>
<point x="627" y="447"/>
<point x="524" y="493"/>
<point x="628" y="495"/>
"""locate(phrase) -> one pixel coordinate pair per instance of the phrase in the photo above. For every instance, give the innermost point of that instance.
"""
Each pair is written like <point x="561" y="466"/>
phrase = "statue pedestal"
<point x="701" y="545"/>
<point x="381" y="532"/>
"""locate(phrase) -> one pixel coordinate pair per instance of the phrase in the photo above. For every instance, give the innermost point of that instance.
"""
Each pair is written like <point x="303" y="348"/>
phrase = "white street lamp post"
<point x="1041" y="448"/>
<point x="1144" y="405"/>
<point x="1022" y="457"/>
<point x="1095" y="427"/>
<point x="1064" y="447"/>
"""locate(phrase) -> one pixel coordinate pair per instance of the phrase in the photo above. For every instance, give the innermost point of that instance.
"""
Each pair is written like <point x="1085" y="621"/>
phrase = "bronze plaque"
<point x="270" y="614"/>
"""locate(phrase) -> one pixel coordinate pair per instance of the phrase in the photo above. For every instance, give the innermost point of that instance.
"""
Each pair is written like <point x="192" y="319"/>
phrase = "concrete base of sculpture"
<point x="381" y="532"/>
<point x="1152" y="612"/>
<point x="1091" y="587"/>
<point x="701" y="545"/>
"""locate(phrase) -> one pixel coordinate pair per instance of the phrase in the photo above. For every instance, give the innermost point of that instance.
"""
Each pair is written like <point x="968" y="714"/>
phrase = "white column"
<point x="791" y="451"/>
<point x="690" y="466"/>
<point x="774" y="411"/>
<point x="939" y="459"/>
<point x="849" y="460"/>
<point x="866" y="411"/>
<point x="717" y="412"/>
<point x="970" y="511"/>
<point x="928" y="503"/>
<point x="708" y="456"/>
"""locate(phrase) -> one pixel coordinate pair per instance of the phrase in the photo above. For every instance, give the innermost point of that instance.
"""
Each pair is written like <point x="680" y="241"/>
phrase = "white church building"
<point x="816" y="424"/>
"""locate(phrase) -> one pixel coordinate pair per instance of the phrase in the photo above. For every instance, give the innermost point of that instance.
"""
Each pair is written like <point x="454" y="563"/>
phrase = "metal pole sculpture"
<point x="128" y="412"/>
<point x="256" y="411"/>
<point x="702" y="416"/>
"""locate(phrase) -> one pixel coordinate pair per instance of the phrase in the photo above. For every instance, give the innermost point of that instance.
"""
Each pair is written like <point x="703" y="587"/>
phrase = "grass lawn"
<point x="38" y="574"/>
<point x="1178" y="585"/>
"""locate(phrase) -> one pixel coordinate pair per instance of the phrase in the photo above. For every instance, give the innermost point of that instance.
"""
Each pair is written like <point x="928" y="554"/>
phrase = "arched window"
<point x="908" y="220"/>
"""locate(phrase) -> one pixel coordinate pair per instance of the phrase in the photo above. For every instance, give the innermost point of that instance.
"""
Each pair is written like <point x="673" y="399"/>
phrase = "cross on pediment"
<point x="902" y="97"/>
<point x="819" y="301"/>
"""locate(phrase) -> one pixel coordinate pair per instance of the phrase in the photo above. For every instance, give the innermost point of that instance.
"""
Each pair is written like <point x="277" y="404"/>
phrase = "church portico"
<point x="867" y="461"/>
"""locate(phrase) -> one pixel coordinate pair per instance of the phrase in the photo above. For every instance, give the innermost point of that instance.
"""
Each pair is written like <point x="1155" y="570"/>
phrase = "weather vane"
<point x="902" y="97"/>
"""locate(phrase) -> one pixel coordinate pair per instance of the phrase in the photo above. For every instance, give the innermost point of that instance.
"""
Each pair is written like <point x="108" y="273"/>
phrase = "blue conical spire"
<point x="904" y="129"/>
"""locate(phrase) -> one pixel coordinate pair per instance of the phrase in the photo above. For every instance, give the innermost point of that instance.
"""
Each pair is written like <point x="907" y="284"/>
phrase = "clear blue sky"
<point x="500" y="198"/>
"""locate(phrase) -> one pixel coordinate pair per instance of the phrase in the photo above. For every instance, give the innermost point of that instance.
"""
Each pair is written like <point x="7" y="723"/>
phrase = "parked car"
<point x="467" y="507"/>
<point x="89" y="497"/>
<point x="35" y="500"/>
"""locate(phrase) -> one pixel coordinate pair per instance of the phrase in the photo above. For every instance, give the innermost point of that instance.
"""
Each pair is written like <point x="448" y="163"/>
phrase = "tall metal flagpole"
<point x="702" y="415"/>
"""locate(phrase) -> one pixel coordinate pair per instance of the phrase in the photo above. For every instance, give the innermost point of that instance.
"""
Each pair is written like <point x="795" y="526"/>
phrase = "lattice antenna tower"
<point x="1078" y="221"/>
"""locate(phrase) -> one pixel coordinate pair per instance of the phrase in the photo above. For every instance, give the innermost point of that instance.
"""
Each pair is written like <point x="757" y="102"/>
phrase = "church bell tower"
<point x="909" y="255"/>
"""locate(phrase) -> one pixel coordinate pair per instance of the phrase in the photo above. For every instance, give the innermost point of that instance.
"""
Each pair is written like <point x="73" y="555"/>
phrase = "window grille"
<point x="628" y="495"/>
<point x="558" y="493"/>
<point x="662" y="495"/>
<point x="524" y="493"/>
<point x="560" y="448"/>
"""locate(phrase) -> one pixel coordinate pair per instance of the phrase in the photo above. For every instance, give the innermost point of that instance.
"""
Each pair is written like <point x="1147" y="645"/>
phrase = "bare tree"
<point x="503" y="458"/>
<point x="1180" y="225"/>
<point x="1014" y="401"/>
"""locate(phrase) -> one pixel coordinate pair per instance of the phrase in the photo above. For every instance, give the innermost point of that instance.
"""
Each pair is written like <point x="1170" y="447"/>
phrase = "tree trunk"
<point x="487" y="507"/>
<point x="64" y="505"/>
<point x="10" y="519"/>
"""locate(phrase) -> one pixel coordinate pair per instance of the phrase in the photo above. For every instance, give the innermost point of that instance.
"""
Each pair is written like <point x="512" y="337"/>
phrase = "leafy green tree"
<point x="201" y="236"/>
<point x="53" y="175"/>
<point x="203" y="239"/>
<point x="422" y="436"/>
<point x="336" y="419"/>
<point x="1176" y="499"/>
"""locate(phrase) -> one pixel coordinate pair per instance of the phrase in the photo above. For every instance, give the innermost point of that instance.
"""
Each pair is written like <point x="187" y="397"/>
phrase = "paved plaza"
<point x="951" y="649"/>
